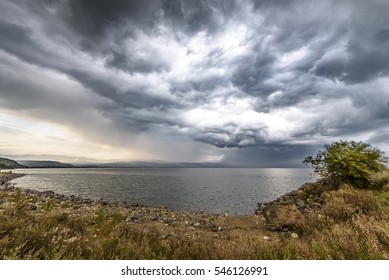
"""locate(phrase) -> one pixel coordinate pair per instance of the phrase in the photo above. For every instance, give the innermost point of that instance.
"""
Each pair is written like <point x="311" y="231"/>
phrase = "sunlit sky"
<point x="253" y="83"/>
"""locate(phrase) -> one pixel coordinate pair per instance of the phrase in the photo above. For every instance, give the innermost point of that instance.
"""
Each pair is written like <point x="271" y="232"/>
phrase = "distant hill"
<point x="6" y="163"/>
<point x="45" y="164"/>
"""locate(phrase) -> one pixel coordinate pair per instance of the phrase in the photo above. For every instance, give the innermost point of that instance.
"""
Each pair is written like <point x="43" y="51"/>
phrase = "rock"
<point x="281" y="217"/>
<point x="87" y="201"/>
<point x="215" y="228"/>
<point x="8" y="188"/>
<point x="131" y="219"/>
<point x="168" y="235"/>
<point x="48" y="193"/>
<point x="196" y="224"/>
<point x="300" y="204"/>
<point x="294" y="235"/>
<point x="266" y="237"/>
<point x="168" y="220"/>
<point x="191" y="228"/>
<point x="316" y="205"/>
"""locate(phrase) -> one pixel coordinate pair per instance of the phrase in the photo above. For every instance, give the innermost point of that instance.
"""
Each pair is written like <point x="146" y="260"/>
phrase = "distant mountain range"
<point x="6" y="163"/>
<point x="10" y="164"/>
<point x="44" y="164"/>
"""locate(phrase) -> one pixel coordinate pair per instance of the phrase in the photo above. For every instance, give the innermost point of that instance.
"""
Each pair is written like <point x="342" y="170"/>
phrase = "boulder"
<point x="282" y="216"/>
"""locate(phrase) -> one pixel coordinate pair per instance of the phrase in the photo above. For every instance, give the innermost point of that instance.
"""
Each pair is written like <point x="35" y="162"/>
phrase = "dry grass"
<point x="380" y="180"/>
<point x="352" y="224"/>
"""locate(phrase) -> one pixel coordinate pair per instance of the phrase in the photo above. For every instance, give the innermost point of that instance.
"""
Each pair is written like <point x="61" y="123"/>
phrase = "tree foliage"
<point x="348" y="162"/>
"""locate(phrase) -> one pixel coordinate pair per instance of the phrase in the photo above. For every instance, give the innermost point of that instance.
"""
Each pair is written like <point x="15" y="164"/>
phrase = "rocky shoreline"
<point x="281" y="215"/>
<point x="136" y="214"/>
<point x="5" y="177"/>
<point x="289" y="210"/>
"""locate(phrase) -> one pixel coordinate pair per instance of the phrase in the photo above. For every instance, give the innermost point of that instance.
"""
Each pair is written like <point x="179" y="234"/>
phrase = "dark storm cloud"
<point x="365" y="56"/>
<point x="253" y="72"/>
<point x="92" y="20"/>
<point x="226" y="73"/>
<point x="17" y="40"/>
<point x="280" y="155"/>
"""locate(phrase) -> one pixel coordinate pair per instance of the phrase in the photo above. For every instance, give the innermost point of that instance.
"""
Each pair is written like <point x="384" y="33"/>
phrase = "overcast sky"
<point x="259" y="83"/>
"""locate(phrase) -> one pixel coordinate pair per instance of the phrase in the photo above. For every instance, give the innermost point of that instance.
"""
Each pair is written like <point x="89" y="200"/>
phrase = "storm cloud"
<point x="247" y="82"/>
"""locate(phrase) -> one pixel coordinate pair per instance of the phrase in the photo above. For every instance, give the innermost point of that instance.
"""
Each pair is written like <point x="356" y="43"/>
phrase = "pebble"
<point x="131" y="219"/>
<point x="214" y="228"/>
<point x="294" y="235"/>
<point x="168" y="235"/>
<point x="266" y="237"/>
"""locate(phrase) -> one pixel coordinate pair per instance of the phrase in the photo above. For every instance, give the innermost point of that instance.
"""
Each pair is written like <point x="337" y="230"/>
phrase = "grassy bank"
<point x="350" y="224"/>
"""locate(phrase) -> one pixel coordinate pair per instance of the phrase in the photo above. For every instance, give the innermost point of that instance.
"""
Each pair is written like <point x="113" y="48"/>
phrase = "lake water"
<point x="214" y="190"/>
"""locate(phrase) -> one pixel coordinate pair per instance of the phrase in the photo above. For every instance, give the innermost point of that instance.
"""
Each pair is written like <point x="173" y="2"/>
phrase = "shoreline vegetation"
<point x="316" y="221"/>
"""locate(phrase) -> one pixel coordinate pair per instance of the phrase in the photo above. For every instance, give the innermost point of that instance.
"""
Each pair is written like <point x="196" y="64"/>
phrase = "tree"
<point x="348" y="162"/>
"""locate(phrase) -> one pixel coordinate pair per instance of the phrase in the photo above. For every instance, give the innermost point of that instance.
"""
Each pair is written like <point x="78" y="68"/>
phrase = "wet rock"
<point x="87" y="201"/>
<point x="8" y="188"/>
<point x="48" y="193"/>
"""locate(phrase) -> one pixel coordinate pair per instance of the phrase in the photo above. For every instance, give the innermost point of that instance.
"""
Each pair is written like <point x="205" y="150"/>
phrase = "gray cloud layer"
<point x="273" y="75"/>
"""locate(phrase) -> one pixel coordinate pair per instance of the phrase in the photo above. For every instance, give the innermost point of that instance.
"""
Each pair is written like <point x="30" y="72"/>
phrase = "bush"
<point x="348" y="162"/>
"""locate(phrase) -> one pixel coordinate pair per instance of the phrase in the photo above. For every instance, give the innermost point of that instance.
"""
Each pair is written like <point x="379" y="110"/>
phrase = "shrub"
<point x="348" y="162"/>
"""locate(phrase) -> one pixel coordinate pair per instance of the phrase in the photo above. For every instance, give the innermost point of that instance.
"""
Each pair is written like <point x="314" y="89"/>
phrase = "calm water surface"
<point x="214" y="190"/>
